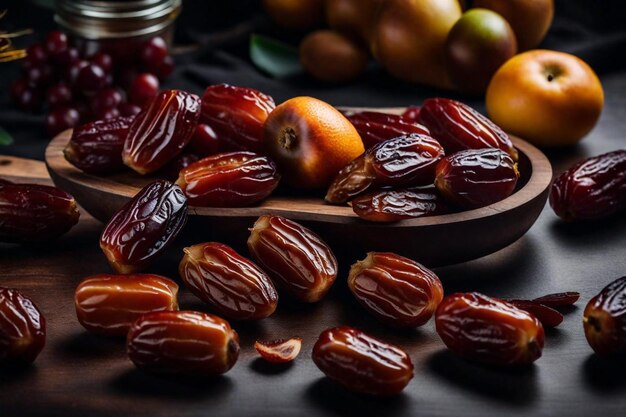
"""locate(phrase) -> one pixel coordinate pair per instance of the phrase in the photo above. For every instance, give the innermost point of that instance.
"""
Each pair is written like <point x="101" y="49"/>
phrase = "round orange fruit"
<point x="546" y="97"/>
<point x="310" y="141"/>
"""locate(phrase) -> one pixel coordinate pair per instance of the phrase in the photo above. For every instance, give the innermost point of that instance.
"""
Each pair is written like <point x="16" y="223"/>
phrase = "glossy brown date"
<point x="457" y="127"/>
<point x="412" y="114"/>
<point x="476" y="177"/>
<point x="96" y="147"/>
<point x="374" y="127"/>
<point x="228" y="282"/>
<point x="396" y="290"/>
<point x="295" y="257"/>
<point x="362" y="363"/>
<point x="161" y="131"/>
<point x="232" y="179"/>
<point x="31" y="213"/>
<point x="395" y="205"/>
<point x="604" y="319"/>
<point x="237" y="115"/>
<point x="144" y="227"/>
<point x="548" y="316"/>
<point x="108" y="304"/>
<point x="489" y="330"/>
<point x="402" y="161"/>
<point x="182" y="342"/>
<point x="22" y="328"/>
<point x="559" y="299"/>
<point x="592" y="189"/>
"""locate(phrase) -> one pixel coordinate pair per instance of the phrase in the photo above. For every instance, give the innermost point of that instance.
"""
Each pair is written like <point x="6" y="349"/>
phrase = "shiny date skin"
<point x="375" y="127"/>
<point x="489" y="330"/>
<point x="161" y="131"/>
<point x="232" y="179"/>
<point x="402" y="161"/>
<point x="108" y="304"/>
<point x="476" y="177"/>
<point x="396" y="290"/>
<point x="548" y="316"/>
<point x="296" y="258"/>
<point x="362" y="363"/>
<point x="33" y="213"/>
<point x="592" y="189"/>
<point x="22" y="328"/>
<point x="182" y="342"/>
<point x="457" y="127"/>
<point x="231" y="284"/>
<point x="237" y="115"/>
<point x="604" y="320"/>
<point x="144" y="227"/>
<point x="394" y="205"/>
<point x="96" y="147"/>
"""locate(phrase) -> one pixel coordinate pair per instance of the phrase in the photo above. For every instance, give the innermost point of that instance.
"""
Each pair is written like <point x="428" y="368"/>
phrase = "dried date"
<point x="402" y="161"/>
<point x="237" y="115"/>
<point x="296" y="258"/>
<point x="161" y="131"/>
<point x="457" y="127"/>
<point x="489" y="330"/>
<point x="232" y="179"/>
<point x="592" y="189"/>
<point x="182" y="342"/>
<point x="560" y="299"/>
<point x="279" y="351"/>
<point x="22" y="328"/>
<point x="96" y="147"/>
<point x="396" y="290"/>
<point x="31" y="213"/>
<point x="108" y="304"/>
<point x="604" y="319"/>
<point x="548" y="316"/>
<point x="395" y="205"/>
<point x="144" y="227"/>
<point x="362" y="363"/>
<point x="476" y="177"/>
<point x="228" y="282"/>
<point x="374" y="127"/>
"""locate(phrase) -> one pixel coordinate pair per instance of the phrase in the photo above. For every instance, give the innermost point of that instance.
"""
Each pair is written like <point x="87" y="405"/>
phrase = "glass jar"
<point x="118" y="27"/>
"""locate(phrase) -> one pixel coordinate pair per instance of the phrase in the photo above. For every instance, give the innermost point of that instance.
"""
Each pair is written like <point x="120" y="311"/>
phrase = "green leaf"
<point x="274" y="57"/>
<point x="5" y="138"/>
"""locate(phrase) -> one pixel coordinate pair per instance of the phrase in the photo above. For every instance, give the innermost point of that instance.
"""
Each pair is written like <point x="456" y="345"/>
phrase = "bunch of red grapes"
<point x="75" y="89"/>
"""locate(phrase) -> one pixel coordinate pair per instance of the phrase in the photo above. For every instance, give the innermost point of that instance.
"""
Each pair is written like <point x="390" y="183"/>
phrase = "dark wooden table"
<point x="79" y="374"/>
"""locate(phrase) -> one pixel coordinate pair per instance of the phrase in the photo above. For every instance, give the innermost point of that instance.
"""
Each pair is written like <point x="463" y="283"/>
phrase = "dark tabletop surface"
<point x="78" y="374"/>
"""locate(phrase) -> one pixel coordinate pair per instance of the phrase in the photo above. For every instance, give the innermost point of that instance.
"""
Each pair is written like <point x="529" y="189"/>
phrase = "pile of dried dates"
<point x="210" y="153"/>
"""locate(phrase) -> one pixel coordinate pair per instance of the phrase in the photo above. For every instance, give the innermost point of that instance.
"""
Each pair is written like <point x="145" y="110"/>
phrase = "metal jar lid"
<point x="115" y="19"/>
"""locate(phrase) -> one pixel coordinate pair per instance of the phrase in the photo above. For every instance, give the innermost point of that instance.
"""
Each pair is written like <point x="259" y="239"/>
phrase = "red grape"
<point x="67" y="57"/>
<point x="104" y="61"/>
<point x="59" y="94"/>
<point x="128" y="109"/>
<point x="106" y="99"/>
<point x="60" y="119"/>
<point x="91" y="79"/>
<point x="152" y="53"/>
<point x="55" y="42"/>
<point x="144" y="88"/>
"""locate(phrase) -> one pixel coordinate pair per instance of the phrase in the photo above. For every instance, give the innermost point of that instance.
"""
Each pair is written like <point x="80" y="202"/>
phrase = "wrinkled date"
<point x="35" y="213"/>
<point x="161" y="130"/>
<point x="396" y="290"/>
<point x="296" y="258"/>
<point x="22" y="328"/>
<point x="182" y="342"/>
<point x="228" y="282"/>
<point x="604" y="319"/>
<point x="374" y="127"/>
<point x="362" y="363"/>
<point x="232" y="179"/>
<point x="591" y="189"/>
<point x="548" y="316"/>
<point x="412" y="114"/>
<point x="395" y="205"/>
<point x="457" y="127"/>
<point x="237" y="115"/>
<point x="96" y="147"/>
<point x="144" y="227"/>
<point x="402" y="161"/>
<point x="108" y="304"/>
<point x="476" y="177"/>
<point x="489" y="330"/>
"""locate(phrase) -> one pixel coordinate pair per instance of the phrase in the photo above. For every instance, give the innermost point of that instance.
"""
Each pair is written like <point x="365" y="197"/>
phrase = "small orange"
<point x="310" y="141"/>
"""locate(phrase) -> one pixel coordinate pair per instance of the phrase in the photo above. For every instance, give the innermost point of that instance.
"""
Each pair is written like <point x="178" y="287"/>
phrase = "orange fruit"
<point x="546" y="97"/>
<point x="310" y="141"/>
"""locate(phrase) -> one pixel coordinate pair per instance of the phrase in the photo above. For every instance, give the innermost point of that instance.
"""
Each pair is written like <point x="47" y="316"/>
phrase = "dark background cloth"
<point x="593" y="30"/>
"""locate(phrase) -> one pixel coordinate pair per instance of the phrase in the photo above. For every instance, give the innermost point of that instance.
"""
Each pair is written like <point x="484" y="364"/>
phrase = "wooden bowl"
<point x="433" y="241"/>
